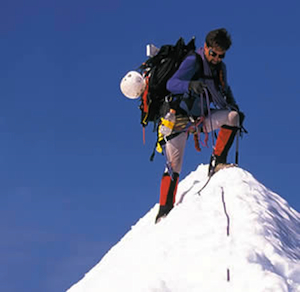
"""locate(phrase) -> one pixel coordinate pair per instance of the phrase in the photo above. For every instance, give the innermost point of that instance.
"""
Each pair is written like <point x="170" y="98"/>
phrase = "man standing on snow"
<point x="201" y="83"/>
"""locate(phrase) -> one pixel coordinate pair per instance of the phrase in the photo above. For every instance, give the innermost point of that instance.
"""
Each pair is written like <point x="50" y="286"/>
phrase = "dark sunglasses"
<point x="214" y="54"/>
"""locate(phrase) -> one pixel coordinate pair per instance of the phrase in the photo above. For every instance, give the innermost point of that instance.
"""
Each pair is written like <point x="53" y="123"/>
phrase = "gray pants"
<point x="175" y="147"/>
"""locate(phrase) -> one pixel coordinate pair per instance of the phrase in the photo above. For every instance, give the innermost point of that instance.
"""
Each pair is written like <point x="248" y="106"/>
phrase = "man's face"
<point x="214" y="55"/>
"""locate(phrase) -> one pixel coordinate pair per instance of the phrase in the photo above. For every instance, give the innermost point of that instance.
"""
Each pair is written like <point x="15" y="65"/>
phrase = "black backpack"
<point x="157" y="70"/>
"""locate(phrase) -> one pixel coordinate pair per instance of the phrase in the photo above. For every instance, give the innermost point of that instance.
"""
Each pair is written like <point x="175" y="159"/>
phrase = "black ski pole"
<point x="237" y="147"/>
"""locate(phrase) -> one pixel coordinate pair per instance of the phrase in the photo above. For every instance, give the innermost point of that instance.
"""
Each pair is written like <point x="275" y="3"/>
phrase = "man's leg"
<point x="228" y="122"/>
<point x="168" y="188"/>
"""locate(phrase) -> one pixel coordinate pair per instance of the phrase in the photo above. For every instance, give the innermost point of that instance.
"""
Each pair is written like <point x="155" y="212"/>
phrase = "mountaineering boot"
<point x="225" y="139"/>
<point x="215" y="165"/>
<point x="168" y="189"/>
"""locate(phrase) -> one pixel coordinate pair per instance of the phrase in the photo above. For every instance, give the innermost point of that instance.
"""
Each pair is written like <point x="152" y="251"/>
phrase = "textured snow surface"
<point x="236" y="236"/>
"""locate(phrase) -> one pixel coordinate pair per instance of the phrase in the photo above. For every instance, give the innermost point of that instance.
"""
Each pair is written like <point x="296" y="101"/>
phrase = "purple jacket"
<point x="179" y="82"/>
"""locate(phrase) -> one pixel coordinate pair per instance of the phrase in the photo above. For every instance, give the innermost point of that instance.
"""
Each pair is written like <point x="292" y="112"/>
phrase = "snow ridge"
<point x="236" y="235"/>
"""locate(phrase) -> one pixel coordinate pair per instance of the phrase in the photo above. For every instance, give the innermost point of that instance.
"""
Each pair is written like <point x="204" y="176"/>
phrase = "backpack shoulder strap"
<point x="200" y="72"/>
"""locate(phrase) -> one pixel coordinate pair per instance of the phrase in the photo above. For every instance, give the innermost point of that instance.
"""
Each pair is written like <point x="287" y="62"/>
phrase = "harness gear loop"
<point x="194" y="128"/>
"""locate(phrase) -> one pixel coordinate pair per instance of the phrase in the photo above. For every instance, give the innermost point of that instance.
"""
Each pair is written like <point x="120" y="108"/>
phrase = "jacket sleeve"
<point x="179" y="82"/>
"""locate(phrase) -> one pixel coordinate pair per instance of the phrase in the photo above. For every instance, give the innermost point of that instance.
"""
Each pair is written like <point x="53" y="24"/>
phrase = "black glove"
<point x="197" y="87"/>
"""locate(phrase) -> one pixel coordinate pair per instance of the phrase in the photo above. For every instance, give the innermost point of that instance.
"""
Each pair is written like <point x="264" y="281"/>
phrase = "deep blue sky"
<point x="74" y="174"/>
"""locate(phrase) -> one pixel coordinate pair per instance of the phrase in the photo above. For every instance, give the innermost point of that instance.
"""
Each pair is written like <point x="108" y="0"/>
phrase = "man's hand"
<point x="197" y="87"/>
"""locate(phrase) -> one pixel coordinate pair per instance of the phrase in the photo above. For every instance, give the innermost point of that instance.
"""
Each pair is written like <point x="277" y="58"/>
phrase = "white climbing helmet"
<point x="133" y="84"/>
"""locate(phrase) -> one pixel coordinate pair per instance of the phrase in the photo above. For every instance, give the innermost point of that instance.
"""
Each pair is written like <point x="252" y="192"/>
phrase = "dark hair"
<point x="218" y="38"/>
